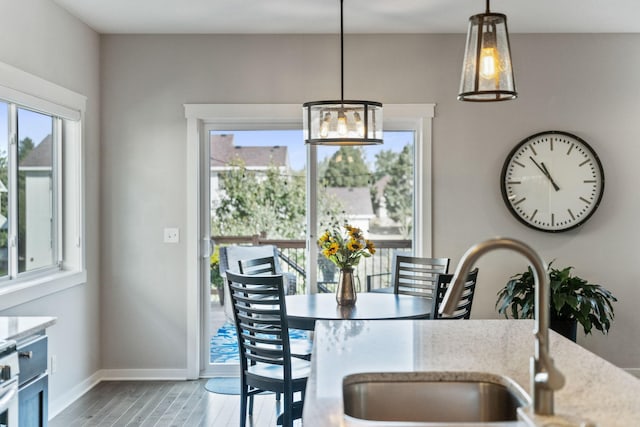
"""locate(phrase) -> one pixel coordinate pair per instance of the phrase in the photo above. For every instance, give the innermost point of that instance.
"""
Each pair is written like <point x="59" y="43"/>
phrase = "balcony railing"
<point x="373" y="271"/>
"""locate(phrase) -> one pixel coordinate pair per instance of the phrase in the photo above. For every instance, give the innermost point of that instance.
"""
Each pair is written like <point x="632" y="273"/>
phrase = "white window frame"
<point x="34" y="93"/>
<point x="416" y="117"/>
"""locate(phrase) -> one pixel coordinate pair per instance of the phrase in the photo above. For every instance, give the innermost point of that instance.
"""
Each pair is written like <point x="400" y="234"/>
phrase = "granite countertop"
<point x="19" y="327"/>
<point x="595" y="391"/>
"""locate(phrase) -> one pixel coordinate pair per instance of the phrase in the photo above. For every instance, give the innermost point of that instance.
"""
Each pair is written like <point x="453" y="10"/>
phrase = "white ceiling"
<point x="360" y="16"/>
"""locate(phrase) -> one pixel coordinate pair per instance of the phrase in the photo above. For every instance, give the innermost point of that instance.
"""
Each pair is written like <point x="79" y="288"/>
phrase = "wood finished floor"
<point x="162" y="404"/>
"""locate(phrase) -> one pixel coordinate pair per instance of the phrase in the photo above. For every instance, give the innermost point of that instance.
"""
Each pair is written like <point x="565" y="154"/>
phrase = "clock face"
<point x="552" y="181"/>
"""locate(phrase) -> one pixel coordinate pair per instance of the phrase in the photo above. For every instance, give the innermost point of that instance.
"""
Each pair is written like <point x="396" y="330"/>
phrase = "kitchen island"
<point x="595" y="391"/>
<point x="29" y="333"/>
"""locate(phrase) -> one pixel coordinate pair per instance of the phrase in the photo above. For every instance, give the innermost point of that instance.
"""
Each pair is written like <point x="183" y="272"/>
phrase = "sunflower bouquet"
<point x="345" y="251"/>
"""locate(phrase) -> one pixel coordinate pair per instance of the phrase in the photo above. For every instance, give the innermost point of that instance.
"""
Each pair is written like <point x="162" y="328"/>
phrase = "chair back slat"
<point x="463" y="309"/>
<point x="256" y="266"/>
<point x="417" y="276"/>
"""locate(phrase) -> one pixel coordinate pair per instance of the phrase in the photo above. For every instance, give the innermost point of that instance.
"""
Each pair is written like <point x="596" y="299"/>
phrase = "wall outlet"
<point x="171" y="235"/>
<point x="53" y="364"/>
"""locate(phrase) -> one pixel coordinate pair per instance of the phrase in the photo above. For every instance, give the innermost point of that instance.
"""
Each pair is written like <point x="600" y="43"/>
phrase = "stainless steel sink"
<point x="431" y="398"/>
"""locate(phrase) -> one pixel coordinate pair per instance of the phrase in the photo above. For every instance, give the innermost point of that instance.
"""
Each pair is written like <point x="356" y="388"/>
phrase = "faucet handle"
<point x="551" y="378"/>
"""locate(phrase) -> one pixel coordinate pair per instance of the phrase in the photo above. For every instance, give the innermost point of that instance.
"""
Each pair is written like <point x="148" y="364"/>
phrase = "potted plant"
<point x="217" y="282"/>
<point x="573" y="300"/>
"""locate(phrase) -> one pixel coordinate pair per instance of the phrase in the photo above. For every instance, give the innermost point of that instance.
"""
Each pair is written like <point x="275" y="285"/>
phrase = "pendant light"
<point x="342" y="122"/>
<point x="487" y="74"/>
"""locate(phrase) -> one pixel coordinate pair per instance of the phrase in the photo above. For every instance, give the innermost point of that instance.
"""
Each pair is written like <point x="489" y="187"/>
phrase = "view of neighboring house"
<point x="224" y="154"/>
<point x="37" y="169"/>
<point x="358" y="206"/>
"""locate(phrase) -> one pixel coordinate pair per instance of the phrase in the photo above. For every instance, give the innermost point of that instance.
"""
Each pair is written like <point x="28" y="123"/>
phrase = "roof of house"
<point x="40" y="156"/>
<point x="223" y="152"/>
<point x="356" y="201"/>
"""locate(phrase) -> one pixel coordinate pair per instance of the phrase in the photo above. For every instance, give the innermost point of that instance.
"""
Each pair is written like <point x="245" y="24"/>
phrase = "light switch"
<point x="171" y="235"/>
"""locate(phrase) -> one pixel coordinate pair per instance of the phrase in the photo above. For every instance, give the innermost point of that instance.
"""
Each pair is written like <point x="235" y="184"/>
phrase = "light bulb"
<point x="342" y="123"/>
<point x="489" y="63"/>
<point x="324" y="125"/>
<point x="359" y="124"/>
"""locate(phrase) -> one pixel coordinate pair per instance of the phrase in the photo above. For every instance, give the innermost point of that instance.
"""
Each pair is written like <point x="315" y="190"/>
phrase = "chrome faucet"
<point x="545" y="377"/>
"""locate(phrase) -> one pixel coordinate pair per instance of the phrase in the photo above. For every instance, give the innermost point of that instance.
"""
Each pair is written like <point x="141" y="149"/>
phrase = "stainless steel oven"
<point x="9" y="370"/>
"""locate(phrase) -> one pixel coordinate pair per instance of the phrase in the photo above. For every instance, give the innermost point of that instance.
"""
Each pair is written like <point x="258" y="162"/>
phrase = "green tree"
<point x="24" y="148"/>
<point x="347" y="168"/>
<point x="274" y="203"/>
<point x="398" y="192"/>
<point x="253" y="203"/>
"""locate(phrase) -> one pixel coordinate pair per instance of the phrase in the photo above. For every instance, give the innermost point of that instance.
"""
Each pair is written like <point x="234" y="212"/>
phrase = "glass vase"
<point x="347" y="287"/>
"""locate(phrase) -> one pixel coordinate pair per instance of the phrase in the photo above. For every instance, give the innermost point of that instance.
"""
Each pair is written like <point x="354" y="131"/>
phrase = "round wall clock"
<point x="552" y="181"/>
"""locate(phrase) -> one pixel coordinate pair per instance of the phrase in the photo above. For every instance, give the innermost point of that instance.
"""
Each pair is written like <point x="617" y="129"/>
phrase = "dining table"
<point x="303" y="310"/>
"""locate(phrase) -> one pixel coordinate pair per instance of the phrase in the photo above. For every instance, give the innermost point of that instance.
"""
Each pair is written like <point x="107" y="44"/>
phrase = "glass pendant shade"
<point x="342" y="122"/>
<point x="487" y="74"/>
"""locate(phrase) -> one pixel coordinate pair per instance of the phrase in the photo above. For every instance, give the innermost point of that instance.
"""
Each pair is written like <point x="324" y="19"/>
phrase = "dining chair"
<point x="266" y="364"/>
<point x="416" y="276"/>
<point x="463" y="310"/>
<point x="231" y="254"/>
<point x="300" y="347"/>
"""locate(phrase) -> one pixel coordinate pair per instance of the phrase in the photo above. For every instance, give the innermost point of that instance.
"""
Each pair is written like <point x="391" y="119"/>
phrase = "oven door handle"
<point x="8" y="396"/>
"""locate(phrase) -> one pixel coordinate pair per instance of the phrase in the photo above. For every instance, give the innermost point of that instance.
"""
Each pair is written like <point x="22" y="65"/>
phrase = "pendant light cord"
<point x="488" y="7"/>
<point x="342" y="53"/>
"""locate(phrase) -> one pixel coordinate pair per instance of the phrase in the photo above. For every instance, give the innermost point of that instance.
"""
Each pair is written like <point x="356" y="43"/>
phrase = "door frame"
<point x="417" y="117"/>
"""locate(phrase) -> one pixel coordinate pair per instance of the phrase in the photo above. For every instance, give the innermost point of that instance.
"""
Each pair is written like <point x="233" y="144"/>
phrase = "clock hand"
<point x="545" y="172"/>
<point x="555" y="186"/>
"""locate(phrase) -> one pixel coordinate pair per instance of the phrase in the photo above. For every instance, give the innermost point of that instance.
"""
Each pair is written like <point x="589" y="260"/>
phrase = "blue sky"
<point x="293" y="139"/>
<point x="31" y="124"/>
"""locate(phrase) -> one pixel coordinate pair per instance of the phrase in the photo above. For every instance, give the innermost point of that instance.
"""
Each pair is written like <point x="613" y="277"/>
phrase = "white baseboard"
<point x="60" y="403"/>
<point x="144" y="374"/>
<point x="634" y="371"/>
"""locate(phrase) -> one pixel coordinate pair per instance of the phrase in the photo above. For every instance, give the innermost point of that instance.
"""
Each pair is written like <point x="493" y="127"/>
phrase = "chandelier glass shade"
<point x="342" y="122"/>
<point x="487" y="74"/>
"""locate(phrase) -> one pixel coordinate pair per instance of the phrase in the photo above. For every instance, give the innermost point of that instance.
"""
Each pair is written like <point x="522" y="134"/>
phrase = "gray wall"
<point x="42" y="39"/>
<point x="131" y="313"/>
<point x="585" y="84"/>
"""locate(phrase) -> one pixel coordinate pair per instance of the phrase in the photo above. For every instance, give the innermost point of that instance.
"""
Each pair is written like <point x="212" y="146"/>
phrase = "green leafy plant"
<point x="572" y="298"/>
<point x="214" y="273"/>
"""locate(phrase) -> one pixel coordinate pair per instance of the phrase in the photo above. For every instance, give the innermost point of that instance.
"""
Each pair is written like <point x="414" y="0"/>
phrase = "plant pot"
<point x="568" y="328"/>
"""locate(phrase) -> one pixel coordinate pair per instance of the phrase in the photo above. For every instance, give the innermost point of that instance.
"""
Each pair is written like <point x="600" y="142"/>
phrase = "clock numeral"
<point x="514" y="182"/>
<point x="553" y="219"/>
<point x="584" y="163"/>
<point x="551" y="143"/>
<point x="519" y="201"/>
<point x="518" y="163"/>
<point x="571" y="214"/>
<point x="590" y="181"/>
<point x="570" y="148"/>
<point x="585" y="200"/>
<point x="533" y="215"/>
<point x="534" y="150"/>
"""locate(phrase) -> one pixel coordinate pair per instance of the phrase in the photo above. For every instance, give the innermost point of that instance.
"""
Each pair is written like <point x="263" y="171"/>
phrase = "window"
<point x="41" y="211"/>
<point x="28" y="189"/>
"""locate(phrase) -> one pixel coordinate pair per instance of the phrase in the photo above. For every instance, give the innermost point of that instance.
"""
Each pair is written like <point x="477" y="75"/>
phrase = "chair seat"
<point x="299" y="369"/>
<point x="301" y="347"/>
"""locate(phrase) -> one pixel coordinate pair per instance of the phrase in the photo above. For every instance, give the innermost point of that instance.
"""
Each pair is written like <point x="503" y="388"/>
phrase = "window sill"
<point x="24" y="291"/>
